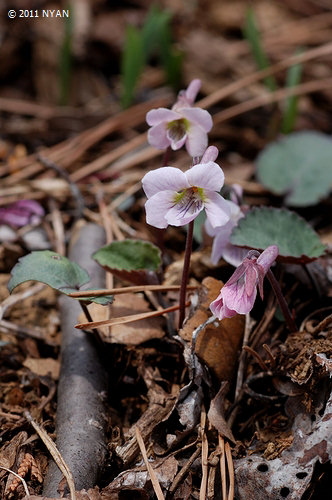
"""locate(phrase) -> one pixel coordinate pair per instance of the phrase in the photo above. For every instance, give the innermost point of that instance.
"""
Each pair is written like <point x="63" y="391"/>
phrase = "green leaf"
<point x="154" y="26"/>
<point x="265" y="226"/>
<point x="54" y="270"/>
<point x="173" y="67"/>
<point x="294" y="74"/>
<point x="132" y="64"/>
<point x="171" y="57"/>
<point x="50" y="268"/>
<point x="298" y="166"/>
<point x="252" y="34"/>
<point x="157" y="42"/>
<point x="133" y="260"/>
<point x="103" y="301"/>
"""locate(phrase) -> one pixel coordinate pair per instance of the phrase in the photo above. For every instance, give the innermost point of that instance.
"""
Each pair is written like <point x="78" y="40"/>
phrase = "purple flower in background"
<point x="221" y="246"/>
<point x="180" y="125"/>
<point x="239" y="293"/>
<point x="21" y="213"/>
<point x="176" y="197"/>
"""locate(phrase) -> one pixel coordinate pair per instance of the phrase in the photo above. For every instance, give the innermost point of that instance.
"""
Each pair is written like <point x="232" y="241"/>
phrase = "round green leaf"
<point x="265" y="226"/>
<point x="135" y="261"/>
<point x="131" y="260"/>
<point x="103" y="301"/>
<point x="129" y="255"/>
<point x="298" y="166"/>
<point x="50" y="268"/>
<point x="56" y="271"/>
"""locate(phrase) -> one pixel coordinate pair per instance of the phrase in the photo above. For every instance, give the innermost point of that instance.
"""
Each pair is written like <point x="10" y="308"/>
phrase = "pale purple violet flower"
<point x="21" y="213"/>
<point x="183" y="124"/>
<point x="221" y="246"/>
<point x="176" y="197"/>
<point x="239" y="293"/>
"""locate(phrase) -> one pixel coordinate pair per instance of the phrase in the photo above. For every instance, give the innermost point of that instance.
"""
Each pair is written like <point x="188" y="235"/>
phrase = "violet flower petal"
<point x="157" y="208"/>
<point x="157" y="136"/>
<point x="220" y="310"/>
<point x="180" y="215"/>
<point x="30" y="205"/>
<point x="206" y="175"/>
<point x="161" y="115"/>
<point x="233" y="255"/>
<point x="175" y="144"/>
<point x="236" y="298"/>
<point x="163" y="179"/>
<point x="192" y="90"/>
<point x="198" y="116"/>
<point x="267" y="258"/>
<point x="210" y="154"/>
<point x="21" y="213"/>
<point x="216" y="208"/>
<point x="13" y="217"/>
<point x="251" y="279"/>
<point x="196" y="140"/>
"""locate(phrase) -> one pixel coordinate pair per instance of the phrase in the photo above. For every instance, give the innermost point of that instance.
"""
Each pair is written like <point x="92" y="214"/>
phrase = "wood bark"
<point x="80" y="418"/>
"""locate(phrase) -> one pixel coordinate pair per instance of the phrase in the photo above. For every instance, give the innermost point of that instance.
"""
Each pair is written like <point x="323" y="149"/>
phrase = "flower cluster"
<point x="239" y="293"/>
<point x="175" y="197"/>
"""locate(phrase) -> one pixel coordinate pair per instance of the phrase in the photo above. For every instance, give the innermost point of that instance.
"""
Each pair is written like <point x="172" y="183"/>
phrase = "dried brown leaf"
<point x="136" y="332"/>
<point x="9" y="451"/>
<point x="216" y="414"/>
<point x="138" y="477"/>
<point x="43" y="366"/>
<point x="217" y="344"/>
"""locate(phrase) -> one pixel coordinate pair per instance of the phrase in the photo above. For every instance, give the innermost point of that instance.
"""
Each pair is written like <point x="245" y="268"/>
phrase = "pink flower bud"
<point x="239" y="293"/>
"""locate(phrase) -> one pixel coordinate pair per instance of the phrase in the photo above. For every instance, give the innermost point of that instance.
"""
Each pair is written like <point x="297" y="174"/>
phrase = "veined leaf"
<point x="298" y="166"/>
<point x="54" y="270"/>
<point x="265" y="226"/>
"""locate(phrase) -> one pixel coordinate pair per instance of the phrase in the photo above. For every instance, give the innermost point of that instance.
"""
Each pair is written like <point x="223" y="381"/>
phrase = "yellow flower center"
<point x="189" y="200"/>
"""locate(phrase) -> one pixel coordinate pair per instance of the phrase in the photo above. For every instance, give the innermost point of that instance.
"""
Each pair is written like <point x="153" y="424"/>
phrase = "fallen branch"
<point x="80" y="420"/>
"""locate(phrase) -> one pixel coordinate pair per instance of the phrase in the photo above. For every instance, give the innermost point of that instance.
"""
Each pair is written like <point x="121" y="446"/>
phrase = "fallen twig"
<point x="27" y="493"/>
<point x="80" y="419"/>
<point x="128" y="319"/>
<point x="18" y="297"/>
<point x="129" y="289"/>
<point x="56" y="455"/>
<point x="154" y="479"/>
<point x="205" y="452"/>
<point x="230" y="468"/>
<point x="244" y="82"/>
<point x="269" y="98"/>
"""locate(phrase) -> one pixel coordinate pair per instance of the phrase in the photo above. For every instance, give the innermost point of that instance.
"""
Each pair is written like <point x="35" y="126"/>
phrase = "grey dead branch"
<point x="80" y="419"/>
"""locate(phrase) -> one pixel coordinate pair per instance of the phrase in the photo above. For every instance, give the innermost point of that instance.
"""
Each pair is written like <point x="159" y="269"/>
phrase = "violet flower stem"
<point x="185" y="272"/>
<point x="86" y="312"/>
<point x="282" y="302"/>
<point x="88" y="316"/>
<point x="166" y="157"/>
